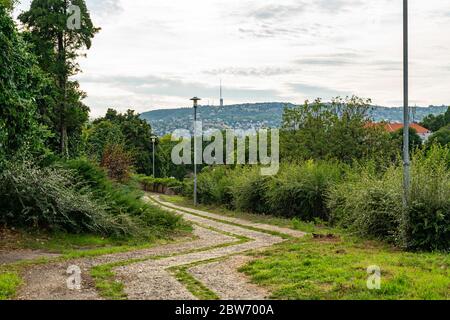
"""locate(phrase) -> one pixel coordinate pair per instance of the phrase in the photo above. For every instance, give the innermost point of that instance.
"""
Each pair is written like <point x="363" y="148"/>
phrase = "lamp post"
<point x="406" y="158"/>
<point x="195" y="101"/>
<point x="153" y="141"/>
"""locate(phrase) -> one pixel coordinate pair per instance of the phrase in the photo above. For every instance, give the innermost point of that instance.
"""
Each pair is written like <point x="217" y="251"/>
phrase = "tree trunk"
<point x="62" y="82"/>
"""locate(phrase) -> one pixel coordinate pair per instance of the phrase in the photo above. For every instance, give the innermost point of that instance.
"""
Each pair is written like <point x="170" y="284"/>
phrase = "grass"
<point x="198" y="289"/>
<point x="312" y="269"/>
<point x="9" y="282"/>
<point x="109" y="288"/>
<point x="336" y="268"/>
<point x="70" y="247"/>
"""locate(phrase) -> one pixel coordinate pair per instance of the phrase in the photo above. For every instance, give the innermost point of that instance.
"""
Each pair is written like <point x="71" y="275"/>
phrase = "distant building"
<point x="423" y="133"/>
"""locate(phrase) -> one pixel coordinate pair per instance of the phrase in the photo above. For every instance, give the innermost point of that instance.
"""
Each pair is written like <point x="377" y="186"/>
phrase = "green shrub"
<point x="214" y="185"/>
<point x="372" y="204"/>
<point x="299" y="190"/>
<point x="428" y="223"/>
<point x="368" y="204"/>
<point x="48" y="198"/>
<point x="125" y="200"/>
<point x="249" y="190"/>
<point x="158" y="184"/>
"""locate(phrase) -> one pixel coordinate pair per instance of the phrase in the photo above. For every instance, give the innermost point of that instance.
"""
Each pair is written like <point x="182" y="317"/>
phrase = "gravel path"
<point x="150" y="280"/>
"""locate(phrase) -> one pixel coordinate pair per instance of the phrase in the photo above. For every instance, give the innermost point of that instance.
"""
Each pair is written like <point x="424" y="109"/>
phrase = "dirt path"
<point x="216" y="237"/>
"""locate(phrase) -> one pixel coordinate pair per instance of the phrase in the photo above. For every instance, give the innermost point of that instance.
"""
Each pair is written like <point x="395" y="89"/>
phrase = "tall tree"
<point x="20" y="82"/>
<point x="60" y="30"/>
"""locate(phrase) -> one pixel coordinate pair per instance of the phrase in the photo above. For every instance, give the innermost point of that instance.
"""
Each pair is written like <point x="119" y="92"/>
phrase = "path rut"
<point x="216" y="237"/>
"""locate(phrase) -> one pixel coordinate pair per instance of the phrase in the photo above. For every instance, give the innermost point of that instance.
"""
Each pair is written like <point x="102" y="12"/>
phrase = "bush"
<point x="214" y="185"/>
<point x="372" y="204"/>
<point x="48" y="198"/>
<point x="161" y="185"/>
<point x="124" y="199"/>
<point x="428" y="223"/>
<point x="117" y="162"/>
<point x="249" y="190"/>
<point x="368" y="204"/>
<point x="299" y="190"/>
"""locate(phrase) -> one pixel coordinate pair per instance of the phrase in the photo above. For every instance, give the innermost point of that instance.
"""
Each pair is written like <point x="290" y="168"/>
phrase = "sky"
<point x="158" y="54"/>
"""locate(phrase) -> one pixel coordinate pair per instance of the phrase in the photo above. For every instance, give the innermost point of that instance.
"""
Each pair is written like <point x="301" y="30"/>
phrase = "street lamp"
<point x="153" y="141"/>
<point x="195" y="101"/>
<point x="406" y="158"/>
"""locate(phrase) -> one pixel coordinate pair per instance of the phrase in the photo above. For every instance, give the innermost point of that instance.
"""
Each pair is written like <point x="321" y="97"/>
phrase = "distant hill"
<point x="255" y="115"/>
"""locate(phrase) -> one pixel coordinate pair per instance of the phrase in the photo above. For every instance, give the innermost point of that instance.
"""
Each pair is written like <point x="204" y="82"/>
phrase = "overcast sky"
<point x="157" y="54"/>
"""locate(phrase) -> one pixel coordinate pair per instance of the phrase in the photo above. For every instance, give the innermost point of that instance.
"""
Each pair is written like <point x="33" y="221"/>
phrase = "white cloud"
<point x="159" y="53"/>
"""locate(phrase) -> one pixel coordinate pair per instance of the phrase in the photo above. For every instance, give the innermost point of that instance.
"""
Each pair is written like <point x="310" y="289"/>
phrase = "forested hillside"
<point x="257" y="115"/>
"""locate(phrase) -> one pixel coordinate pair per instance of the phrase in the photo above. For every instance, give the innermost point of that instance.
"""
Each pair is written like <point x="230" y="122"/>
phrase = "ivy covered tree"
<point x="20" y="84"/>
<point x="58" y="43"/>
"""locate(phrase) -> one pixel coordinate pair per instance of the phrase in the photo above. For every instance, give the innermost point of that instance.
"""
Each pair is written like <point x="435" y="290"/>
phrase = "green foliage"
<point x="370" y="203"/>
<point x="47" y="198"/>
<point x="99" y="135"/>
<point x="57" y="47"/>
<point x="414" y="139"/>
<point x="19" y="79"/>
<point x="335" y="131"/>
<point x="249" y="190"/>
<point x="441" y="137"/>
<point x="300" y="190"/>
<point x="435" y="123"/>
<point x="9" y="281"/>
<point x="428" y="223"/>
<point x="124" y="199"/>
<point x="127" y="128"/>
<point x="215" y="185"/>
<point x="159" y="184"/>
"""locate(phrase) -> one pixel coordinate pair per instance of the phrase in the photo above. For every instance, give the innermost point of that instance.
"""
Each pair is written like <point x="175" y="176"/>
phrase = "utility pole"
<point x="195" y="100"/>
<point x="406" y="157"/>
<point x="153" y="141"/>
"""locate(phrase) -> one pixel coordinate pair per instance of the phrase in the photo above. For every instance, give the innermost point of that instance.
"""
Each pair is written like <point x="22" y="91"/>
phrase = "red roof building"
<point x="424" y="133"/>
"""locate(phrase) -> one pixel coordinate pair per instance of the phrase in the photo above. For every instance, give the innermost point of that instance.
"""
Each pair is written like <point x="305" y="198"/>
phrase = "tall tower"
<point x="221" y="97"/>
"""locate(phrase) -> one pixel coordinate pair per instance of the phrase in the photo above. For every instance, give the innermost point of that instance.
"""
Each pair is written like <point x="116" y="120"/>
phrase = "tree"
<point x="137" y="135"/>
<point x="20" y="80"/>
<point x="100" y="135"/>
<point x="57" y="45"/>
<point x="8" y="4"/>
<point x="415" y="141"/>
<point x="441" y="137"/>
<point x="336" y="130"/>
<point x="434" y="123"/>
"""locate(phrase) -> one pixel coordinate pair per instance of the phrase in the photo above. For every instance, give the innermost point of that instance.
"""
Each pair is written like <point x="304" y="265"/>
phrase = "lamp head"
<point x="196" y="100"/>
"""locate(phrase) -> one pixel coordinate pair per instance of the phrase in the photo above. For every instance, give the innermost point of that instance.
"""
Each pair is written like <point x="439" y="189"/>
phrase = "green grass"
<point x="9" y="282"/>
<point x="312" y="269"/>
<point x="198" y="289"/>
<point x="336" y="269"/>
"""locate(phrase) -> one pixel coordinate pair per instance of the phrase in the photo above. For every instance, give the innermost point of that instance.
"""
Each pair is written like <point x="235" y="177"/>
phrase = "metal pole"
<point x="153" y="158"/>
<point x="406" y="158"/>
<point x="195" y="153"/>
